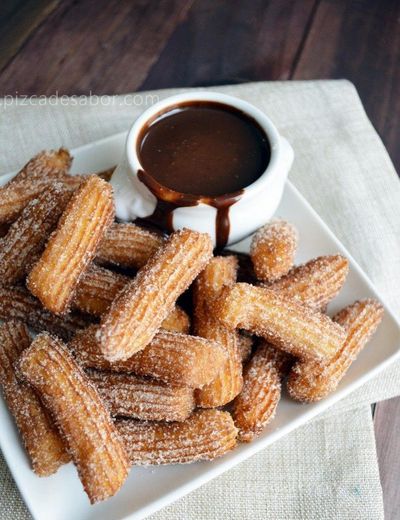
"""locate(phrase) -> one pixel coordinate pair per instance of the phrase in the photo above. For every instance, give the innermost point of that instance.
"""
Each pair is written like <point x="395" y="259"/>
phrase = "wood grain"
<point x="232" y="42"/>
<point x="359" y="40"/>
<point x="102" y="47"/>
<point x="387" y="432"/>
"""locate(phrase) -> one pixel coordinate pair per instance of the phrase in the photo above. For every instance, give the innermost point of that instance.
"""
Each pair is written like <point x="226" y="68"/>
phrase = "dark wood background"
<point x="110" y="46"/>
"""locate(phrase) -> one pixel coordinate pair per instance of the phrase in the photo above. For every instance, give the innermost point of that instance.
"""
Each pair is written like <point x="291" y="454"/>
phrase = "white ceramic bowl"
<point x="254" y="208"/>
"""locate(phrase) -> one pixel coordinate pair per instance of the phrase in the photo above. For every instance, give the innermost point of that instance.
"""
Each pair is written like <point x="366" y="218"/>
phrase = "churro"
<point x="220" y="272"/>
<point x="27" y="236"/>
<point x="140" y="308"/>
<point x="310" y="382"/>
<point x="142" y="398"/>
<point x="256" y="404"/>
<point x="17" y="303"/>
<point x="177" y="321"/>
<point x="128" y="245"/>
<point x="315" y="283"/>
<point x="84" y="421"/>
<point x="282" y="321"/>
<point x="72" y="246"/>
<point x="272" y="250"/>
<point x="205" y="435"/>
<point x="177" y="359"/>
<point x="41" y="438"/>
<point x="245" y="342"/>
<point x="40" y="172"/>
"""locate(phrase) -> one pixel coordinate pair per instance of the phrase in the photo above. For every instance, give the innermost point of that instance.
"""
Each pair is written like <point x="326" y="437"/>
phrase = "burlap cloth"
<point x="328" y="468"/>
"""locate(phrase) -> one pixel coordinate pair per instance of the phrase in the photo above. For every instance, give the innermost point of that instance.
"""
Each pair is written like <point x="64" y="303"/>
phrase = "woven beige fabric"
<point x="327" y="469"/>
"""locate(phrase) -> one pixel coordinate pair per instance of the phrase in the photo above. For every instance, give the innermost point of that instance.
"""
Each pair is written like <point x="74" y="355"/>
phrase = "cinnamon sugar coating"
<point x="40" y="172"/>
<point x="272" y="250"/>
<point x="17" y="303"/>
<point x="93" y="441"/>
<point x="39" y="434"/>
<point x="316" y="282"/>
<point x="177" y="359"/>
<point x="72" y="246"/>
<point x="128" y="245"/>
<point x="142" y="398"/>
<point x="256" y="404"/>
<point x="282" y="321"/>
<point x="219" y="273"/>
<point x="140" y="308"/>
<point x="27" y="236"/>
<point x="310" y="382"/>
<point x="206" y="435"/>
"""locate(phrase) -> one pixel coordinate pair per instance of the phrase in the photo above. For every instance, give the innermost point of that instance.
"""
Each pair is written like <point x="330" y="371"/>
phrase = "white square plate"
<point x="61" y="497"/>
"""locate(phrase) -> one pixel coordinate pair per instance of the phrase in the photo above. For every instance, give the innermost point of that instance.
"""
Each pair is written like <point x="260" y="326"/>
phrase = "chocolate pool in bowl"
<point x="201" y="152"/>
<point x="203" y="160"/>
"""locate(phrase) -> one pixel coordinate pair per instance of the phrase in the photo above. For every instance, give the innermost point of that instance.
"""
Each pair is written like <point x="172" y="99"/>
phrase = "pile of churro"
<point x="121" y="346"/>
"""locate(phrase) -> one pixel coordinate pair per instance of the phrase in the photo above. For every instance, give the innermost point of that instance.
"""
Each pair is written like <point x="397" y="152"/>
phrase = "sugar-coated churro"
<point x="282" y="321"/>
<point x="142" y="398"/>
<point x="92" y="439"/>
<point x="272" y="250"/>
<point x="140" y="308"/>
<point x="310" y="382"/>
<point x="72" y="246"/>
<point x="205" y="435"/>
<point x="315" y="283"/>
<point x="17" y="303"/>
<point x="177" y="321"/>
<point x="256" y="404"/>
<point x="177" y="359"/>
<point x="40" y="172"/>
<point x="40" y="436"/>
<point x="220" y="272"/>
<point x="245" y="342"/>
<point x="128" y="245"/>
<point x="27" y="236"/>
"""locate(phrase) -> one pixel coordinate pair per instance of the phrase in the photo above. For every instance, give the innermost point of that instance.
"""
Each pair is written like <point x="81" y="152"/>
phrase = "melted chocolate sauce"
<point x="200" y="152"/>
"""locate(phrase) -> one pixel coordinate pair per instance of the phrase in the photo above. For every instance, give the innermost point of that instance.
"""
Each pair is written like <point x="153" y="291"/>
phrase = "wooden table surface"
<point x="110" y="46"/>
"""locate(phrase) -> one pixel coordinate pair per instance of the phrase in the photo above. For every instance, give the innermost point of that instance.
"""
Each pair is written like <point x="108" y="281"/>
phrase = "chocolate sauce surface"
<point x="206" y="148"/>
<point x="201" y="152"/>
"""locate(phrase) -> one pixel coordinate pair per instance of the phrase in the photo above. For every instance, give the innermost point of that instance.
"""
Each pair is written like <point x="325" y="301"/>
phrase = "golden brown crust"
<point x="142" y="398"/>
<point x="128" y="245"/>
<point x="282" y="321"/>
<point x="41" y="438"/>
<point x="27" y="236"/>
<point x="205" y="435"/>
<point x="176" y="359"/>
<point x="17" y="303"/>
<point x="72" y="246"/>
<point x="272" y="250"/>
<point x="40" y="172"/>
<point x="310" y="382"/>
<point x="140" y="308"/>
<point x="177" y="321"/>
<point x="256" y="404"/>
<point x="245" y="342"/>
<point x="220" y="272"/>
<point x="316" y="282"/>
<point x="92" y="439"/>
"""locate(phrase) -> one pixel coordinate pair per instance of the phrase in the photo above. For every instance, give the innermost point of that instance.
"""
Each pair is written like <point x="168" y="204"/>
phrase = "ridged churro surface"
<point x="205" y="435"/>
<point x="128" y="245"/>
<point x="273" y="249"/>
<point x="27" y="236"/>
<point x="316" y="282"/>
<point x="282" y="321"/>
<point x="83" y="419"/>
<point x="17" y="303"/>
<point x="72" y="246"/>
<point x="140" y="308"/>
<point x="142" y="398"/>
<point x="312" y="381"/>
<point x="256" y="404"/>
<point x="40" y="436"/>
<point x="219" y="273"/>
<point x="177" y="359"/>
